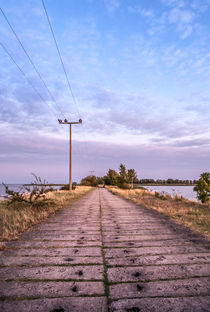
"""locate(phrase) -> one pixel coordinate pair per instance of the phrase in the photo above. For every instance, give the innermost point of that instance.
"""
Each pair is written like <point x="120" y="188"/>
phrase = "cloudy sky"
<point x="140" y="74"/>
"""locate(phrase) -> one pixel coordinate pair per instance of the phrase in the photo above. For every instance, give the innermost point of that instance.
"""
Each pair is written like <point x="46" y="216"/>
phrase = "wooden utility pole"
<point x="66" y="122"/>
<point x="132" y="182"/>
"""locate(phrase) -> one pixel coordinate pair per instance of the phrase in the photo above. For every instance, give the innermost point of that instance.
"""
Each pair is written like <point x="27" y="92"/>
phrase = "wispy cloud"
<point x="48" y="158"/>
<point x="181" y="14"/>
<point x="141" y="11"/>
<point x="174" y="3"/>
<point x="112" y="5"/>
<point x="183" y="19"/>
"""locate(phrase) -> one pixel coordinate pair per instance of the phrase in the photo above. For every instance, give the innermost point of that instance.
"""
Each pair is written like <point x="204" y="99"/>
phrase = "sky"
<point x="140" y="75"/>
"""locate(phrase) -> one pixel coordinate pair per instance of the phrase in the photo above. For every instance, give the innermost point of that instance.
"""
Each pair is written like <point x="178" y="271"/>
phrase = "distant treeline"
<point x="168" y="181"/>
<point x="127" y="178"/>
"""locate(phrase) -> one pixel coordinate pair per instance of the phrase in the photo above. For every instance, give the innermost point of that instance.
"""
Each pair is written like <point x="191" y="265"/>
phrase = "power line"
<point x="23" y="73"/>
<point x="61" y="60"/>
<point x="32" y="63"/>
<point x="65" y="72"/>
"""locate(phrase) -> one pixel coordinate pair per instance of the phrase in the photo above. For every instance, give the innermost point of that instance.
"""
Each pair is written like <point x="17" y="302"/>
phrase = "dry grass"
<point x="18" y="218"/>
<point x="190" y="213"/>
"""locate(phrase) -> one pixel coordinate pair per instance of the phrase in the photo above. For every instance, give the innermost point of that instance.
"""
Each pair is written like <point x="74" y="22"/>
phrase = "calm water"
<point x="185" y="191"/>
<point x="14" y="187"/>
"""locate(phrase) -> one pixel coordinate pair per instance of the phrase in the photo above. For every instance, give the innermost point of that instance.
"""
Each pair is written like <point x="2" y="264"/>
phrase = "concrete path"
<point x="105" y="254"/>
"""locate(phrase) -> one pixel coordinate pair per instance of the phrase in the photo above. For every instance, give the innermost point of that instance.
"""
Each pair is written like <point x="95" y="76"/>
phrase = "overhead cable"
<point x="23" y="73"/>
<point x="30" y="60"/>
<point x="61" y="59"/>
<point x="64" y="70"/>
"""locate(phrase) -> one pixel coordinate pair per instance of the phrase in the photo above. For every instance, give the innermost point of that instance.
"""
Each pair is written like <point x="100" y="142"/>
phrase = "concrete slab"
<point x="52" y="252"/>
<point x="160" y="259"/>
<point x="173" y="288"/>
<point x="50" y="244"/>
<point x="124" y="238"/>
<point x="90" y="272"/>
<point x="78" y="304"/>
<point x="120" y="252"/>
<point x="67" y="237"/>
<point x="147" y="273"/>
<point x="59" y="260"/>
<point x="150" y="243"/>
<point x="50" y="289"/>
<point x="185" y="304"/>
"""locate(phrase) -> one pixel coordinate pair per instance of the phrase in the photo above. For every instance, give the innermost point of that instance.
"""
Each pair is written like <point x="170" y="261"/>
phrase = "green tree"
<point x="111" y="178"/>
<point x="132" y="175"/>
<point x="203" y="187"/>
<point x="89" y="181"/>
<point x="123" y="175"/>
<point x="100" y="180"/>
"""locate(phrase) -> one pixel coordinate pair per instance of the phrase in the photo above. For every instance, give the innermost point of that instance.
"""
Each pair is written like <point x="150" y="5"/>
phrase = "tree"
<point x="111" y="178"/>
<point x="89" y="181"/>
<point x="100" y="180"/>
<point x="203" y="187"/>
<point x="132" y="176"/>
<point x="170" y="181"/>
<point x="123" y="176"/>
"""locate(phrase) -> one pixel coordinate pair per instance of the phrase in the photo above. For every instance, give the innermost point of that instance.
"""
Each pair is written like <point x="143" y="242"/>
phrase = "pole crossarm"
<point x="66" y="122"/>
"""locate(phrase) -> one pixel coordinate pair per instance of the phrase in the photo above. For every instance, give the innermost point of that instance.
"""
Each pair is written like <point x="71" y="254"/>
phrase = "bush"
<point x="203" y="187"/>
<point x="89" y="181"/>
<point x="124" y="186"/>
<point x="65" y="187"/>
<point x="33" y="195"/>
<point x="161" y="196"/>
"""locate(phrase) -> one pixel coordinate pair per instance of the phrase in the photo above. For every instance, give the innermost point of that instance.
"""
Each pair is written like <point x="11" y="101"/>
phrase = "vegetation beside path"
<point x="20" y="216"/>
<point x="192" y="214"/>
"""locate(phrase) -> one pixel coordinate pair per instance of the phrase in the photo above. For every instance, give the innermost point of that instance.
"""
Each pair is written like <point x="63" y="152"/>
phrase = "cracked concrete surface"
<point x="105" y="253"/>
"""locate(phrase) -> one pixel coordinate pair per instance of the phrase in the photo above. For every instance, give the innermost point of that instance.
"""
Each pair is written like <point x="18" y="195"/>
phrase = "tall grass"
<point x="192" y="214"/>
<point x="19" y="217"/>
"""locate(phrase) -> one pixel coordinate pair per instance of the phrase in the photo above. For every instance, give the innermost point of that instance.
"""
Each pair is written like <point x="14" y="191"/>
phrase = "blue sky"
<point x="140" y="73"/>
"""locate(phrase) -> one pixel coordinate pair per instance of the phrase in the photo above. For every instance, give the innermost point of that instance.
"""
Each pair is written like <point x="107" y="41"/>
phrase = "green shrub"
<point x="89" y="181"/>
<point x="203" y="187"/>
<point x="65" y="187"/>
<point x="124" y="186"/>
